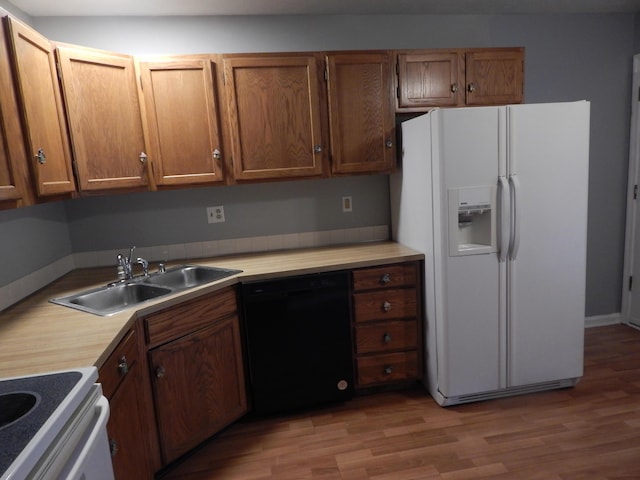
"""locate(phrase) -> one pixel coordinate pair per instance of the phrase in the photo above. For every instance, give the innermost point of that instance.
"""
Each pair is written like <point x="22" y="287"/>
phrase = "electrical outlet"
<point x="215" y="214"/>
<point x="347" y="204"/>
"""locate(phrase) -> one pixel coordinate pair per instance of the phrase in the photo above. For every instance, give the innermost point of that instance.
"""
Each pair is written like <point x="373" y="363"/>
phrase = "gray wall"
<point x="31" y="238"/>
<point x="179" y="216"/>
<point x="568" y="57"/>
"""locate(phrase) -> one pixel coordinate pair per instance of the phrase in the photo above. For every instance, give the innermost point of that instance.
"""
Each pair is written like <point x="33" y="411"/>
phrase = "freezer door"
<point x="470" y="322"/>
<point x="548" y="154"/>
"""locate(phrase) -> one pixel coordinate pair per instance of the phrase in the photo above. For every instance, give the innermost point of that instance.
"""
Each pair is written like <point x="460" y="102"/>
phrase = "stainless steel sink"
<point x="111" y="299"/>
<point x="105" y="301"/>
<point x="189" y="276"/>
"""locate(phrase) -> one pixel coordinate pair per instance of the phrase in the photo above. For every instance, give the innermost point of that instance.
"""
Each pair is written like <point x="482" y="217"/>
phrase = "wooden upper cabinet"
<point x="101" y="96"/>
<point x="495" y="77"/>
<point x="14" y="184"/>
<point x="361" y="117"/>
<point x="430" y="79"/>
<point x="181" y="119"/>
<point x="42" y="111"/>
<point x="274" y="110"/>
<point x="453" y="78"/>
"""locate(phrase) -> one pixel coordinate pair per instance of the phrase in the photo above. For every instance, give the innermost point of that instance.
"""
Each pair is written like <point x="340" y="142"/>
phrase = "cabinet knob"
<point x="388" y="144"/>
<point x="41" y="157"/>
<point x="113" y="447"/>
<point x="143" y="157"/>
<point x="454" y="87"/>
<point x="386" y="306"/>
<point x="386" y="278"/>
<point x="317" y="148"/>
<point x="471" y="88"/>
<point x="388" y="369"/>
<point x="123" y="366"/>
<point x="386" y="338"/>
<point x="216" y="154"/>
<point x="160" y="372"/>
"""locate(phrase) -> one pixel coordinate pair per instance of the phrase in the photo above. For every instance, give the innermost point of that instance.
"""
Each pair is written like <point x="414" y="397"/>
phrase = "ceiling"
<point x="39" y="8"/>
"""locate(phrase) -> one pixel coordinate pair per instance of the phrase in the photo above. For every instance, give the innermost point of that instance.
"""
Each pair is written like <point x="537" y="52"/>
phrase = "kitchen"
<point x="568" y="57"/>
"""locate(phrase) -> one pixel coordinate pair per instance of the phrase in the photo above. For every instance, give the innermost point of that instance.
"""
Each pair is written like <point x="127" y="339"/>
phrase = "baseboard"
<point x="603" y="320"/>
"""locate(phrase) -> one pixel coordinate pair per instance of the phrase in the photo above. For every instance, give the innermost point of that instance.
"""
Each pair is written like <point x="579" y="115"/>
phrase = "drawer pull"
<point x="386" y="306"/>
<point x="386" y="338"/>
<point x="123" y="366"/>
<point x="388" y="370"/>
<point x="386" y="278"/>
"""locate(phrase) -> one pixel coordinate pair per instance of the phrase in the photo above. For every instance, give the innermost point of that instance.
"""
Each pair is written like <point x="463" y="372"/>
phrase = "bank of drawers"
<point x="387" y="330"/>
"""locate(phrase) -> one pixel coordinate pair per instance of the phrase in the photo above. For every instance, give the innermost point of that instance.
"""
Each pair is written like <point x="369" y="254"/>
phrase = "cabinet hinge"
<point x="630" y="282"/>
<point x="326" y="73"/>
<point x="398" y="92"/>
<point x="635" y="192"/>
<point x="59" y="70"/>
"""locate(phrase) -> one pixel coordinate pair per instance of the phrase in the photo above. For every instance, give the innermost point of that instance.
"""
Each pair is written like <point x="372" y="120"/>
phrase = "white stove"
<point x="53" y="426"/>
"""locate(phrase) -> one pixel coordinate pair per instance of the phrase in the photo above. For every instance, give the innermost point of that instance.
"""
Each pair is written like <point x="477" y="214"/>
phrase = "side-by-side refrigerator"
<point x="496" y="199"/>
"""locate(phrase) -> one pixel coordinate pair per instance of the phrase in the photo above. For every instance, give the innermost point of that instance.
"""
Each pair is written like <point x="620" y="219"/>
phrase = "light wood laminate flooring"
<point x="589" y="432"/>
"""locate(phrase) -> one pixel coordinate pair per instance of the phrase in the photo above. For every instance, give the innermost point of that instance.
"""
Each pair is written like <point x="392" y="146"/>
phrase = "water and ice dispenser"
<point x="472" y="220"/>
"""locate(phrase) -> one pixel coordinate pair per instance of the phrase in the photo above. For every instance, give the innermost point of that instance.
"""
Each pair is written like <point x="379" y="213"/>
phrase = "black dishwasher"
<point x="298" y="334"/>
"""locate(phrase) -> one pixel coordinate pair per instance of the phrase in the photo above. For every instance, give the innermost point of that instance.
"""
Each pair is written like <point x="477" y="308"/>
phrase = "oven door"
<point x="81" y="450"/>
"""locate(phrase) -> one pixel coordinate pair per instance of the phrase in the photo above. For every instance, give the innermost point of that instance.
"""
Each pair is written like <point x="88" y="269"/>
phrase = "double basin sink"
<point x="113" y="298"/>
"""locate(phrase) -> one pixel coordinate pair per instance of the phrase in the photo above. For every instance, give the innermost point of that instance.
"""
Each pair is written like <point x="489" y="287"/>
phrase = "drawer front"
<point x="390" y="276"/>
<point x="388" y="336"/>
<point x="188" y="317"/>
<point x="385" y="305"/>
<point x="392" y="367"/>
<point x="117" y="366"/>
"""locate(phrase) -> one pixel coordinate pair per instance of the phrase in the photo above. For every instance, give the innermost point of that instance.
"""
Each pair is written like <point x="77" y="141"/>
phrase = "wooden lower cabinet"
<point x="198" y="376"/>
<point x="387" y="325"/>
<point x="131" y="432"/>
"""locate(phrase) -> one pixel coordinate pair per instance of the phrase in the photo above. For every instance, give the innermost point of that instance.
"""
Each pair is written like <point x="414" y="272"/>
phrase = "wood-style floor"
<point x="589" y="432"/>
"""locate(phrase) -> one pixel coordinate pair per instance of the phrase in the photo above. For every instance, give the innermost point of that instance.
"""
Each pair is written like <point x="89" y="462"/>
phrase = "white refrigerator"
<point x="496" y="199"/>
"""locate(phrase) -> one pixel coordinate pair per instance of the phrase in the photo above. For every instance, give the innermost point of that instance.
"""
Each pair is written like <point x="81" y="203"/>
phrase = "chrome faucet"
<point x="125" y="265"/>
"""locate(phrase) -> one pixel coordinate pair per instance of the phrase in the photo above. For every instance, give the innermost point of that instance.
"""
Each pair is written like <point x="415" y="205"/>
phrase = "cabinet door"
<point x="42" y="110"/>
<point x="361" y="117"/>
<point x="430" y="79"/>
<point x="127" y="433"/>
<point x="199" y="386"/>
<point x="274" y="113"/>
<point x="130" y="416"/>
<point x="101" y="97"/>
<point x="181" y="120"/>
<point x="494" y="77"/>
<point x="14" y="186"/>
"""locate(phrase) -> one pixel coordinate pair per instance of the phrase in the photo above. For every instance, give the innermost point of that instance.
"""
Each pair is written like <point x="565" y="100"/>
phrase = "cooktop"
<point x="27" y="403"/>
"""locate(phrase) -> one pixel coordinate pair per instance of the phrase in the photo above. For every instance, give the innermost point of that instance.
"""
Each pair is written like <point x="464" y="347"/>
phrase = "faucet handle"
<point x="131" y="253"/>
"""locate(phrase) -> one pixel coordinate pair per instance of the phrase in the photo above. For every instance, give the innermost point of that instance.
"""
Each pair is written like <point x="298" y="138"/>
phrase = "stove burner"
<point x="15" y="405"/>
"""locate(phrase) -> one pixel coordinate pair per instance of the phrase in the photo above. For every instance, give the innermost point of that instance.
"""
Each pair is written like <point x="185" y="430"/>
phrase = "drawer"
<point x="389" y="276"/>
<point x="388" y="336"/>
<point x="118" y="364"/>
<point x="175" y="322"/>
<point x="385" y="305"/>
<point x="387" y="368"/>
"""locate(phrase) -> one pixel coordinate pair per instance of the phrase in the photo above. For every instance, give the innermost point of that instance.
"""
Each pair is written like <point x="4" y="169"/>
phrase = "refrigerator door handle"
<point x="514" y="182"/>
<point x="504" y="219"/>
